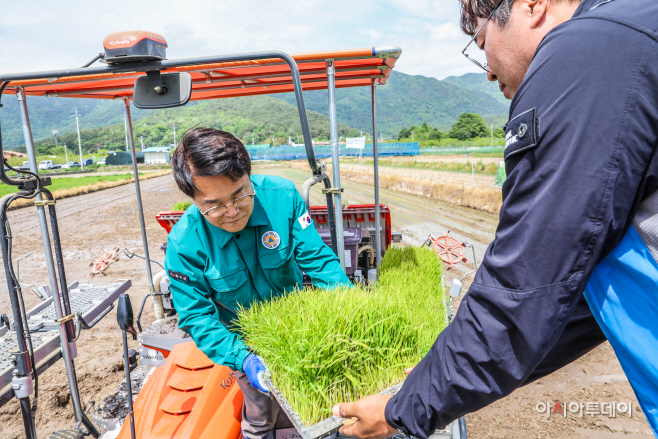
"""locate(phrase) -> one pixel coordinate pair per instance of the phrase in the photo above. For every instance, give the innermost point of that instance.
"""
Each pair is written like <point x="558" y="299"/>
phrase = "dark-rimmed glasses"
<point x="484" y="66"/>
<point x="238" y="203"/>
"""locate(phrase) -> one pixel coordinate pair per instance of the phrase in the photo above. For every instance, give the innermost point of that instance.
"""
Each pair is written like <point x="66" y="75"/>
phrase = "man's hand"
<point x="255" y="369"/>
<point x="369" y="421"/>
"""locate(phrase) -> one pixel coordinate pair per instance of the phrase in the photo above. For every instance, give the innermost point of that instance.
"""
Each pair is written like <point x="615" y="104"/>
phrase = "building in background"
<point x="9" y="154"/>
<point x="123" y="158"/>
<point x="157" y="155"/>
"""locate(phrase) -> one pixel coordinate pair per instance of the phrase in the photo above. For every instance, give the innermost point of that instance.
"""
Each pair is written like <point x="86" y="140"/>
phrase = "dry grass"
<point x="482" y="197"/>
<point x="72" y="192"/>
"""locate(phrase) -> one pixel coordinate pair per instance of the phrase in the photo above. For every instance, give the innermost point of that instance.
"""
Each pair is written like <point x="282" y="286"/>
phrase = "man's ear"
<point x="535" y="11"/>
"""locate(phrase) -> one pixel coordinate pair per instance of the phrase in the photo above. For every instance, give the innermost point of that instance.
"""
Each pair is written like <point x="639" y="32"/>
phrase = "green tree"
<point x="436" y="135"/>
<point x="422" y="132"/>
<point x="405" y="133"/>
<point x="469" y="126"/>
<point x="499" y="132"/>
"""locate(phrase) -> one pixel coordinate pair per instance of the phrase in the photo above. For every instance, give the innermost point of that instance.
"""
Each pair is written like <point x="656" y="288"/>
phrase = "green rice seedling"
<point x="182" y="205"/>
<point x="328" y="346"/>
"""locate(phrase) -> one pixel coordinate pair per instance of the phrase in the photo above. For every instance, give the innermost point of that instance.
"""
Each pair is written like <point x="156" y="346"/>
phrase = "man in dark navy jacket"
<point x="574" y="258"/>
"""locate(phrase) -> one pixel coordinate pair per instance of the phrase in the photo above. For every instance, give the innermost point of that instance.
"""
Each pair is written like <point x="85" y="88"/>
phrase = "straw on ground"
<point x="449" y="187"/>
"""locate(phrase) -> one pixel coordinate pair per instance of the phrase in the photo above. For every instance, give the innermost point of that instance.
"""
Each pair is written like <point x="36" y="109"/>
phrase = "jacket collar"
<point x="588" y="5"/>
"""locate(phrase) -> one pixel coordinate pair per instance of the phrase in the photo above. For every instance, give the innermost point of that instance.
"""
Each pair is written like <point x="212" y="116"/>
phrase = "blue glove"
<point x="255" y="370"/>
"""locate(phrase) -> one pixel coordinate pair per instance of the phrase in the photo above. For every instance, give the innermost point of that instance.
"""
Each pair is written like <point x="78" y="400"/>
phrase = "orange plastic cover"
<point x="188" y="397"/>
<point x="128" y="38"/>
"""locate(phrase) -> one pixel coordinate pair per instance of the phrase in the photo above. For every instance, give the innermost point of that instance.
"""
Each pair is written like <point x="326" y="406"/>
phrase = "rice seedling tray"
<point x="322" y="429"/>
<point x="326" y="347"/>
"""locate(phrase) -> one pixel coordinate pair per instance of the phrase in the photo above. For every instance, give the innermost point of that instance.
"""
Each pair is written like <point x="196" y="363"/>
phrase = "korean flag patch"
<point x="305" y="220"/>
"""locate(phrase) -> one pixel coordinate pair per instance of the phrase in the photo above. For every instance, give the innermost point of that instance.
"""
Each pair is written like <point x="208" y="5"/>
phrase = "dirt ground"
<point x="94" y="222"/>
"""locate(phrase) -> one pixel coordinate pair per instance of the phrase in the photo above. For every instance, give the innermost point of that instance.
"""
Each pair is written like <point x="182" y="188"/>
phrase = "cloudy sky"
<point x="46" y="34"/>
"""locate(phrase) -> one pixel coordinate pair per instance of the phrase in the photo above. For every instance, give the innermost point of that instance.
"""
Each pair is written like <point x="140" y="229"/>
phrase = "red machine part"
<point x="358" y="215"/>
<point x="169" y="219"/>
<point x="448" y="249"/>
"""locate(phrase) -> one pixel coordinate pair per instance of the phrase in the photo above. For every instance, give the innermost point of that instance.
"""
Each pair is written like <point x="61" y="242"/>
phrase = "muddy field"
<point x="94" y="222"/>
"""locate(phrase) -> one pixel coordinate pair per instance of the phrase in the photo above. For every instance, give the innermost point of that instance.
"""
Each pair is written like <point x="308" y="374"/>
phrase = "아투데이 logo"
<point x="271" y="240"/>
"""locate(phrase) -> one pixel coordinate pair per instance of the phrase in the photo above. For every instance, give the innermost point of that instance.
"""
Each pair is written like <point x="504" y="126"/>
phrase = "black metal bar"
<point x="157" y="307"/>
<point x="462" y="428"/>
<point x="23" y="363"/>
<point x="375" y="159"/>
<point x="331" y="215"/>
<point x="3" y="176"/>
<point x="96" y="58"/>
<point x="86" y="325"/>
<point x="28" y="422"/>
<point x="141" y="308"/>
<point x="90" y="425"/>
<point x="129" y="388"/>
<point x="70" y="330"/>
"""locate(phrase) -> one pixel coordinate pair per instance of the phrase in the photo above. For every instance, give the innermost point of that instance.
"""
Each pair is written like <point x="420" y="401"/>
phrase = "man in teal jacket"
<point x="246" y="239"/>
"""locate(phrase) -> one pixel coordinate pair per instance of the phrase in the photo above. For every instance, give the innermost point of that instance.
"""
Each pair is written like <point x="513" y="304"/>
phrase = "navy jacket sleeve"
<point x="580" y="142"/>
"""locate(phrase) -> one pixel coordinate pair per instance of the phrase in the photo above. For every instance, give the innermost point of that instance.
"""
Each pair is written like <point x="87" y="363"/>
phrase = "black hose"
<point x="96" y="58"/>
<point x="3" y="176"/>
<point x="21" y="302"/>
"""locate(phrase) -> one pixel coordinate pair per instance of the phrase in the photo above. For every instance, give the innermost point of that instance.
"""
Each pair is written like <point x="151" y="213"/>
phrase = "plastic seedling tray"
<point x="322" y="429"/>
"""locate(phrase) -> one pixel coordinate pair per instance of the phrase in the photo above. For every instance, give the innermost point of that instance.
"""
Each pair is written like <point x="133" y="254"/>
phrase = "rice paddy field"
<point x="70" y="182"/>
<point x="325" y="347"/>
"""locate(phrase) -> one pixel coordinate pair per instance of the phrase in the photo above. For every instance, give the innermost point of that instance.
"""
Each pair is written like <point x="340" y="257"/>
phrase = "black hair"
<point x="472" y="9"/>
<point x="207" y="152"/>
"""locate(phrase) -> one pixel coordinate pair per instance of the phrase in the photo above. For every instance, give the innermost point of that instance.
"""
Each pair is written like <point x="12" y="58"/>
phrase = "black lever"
<point x="125" y="320"/>
<point x="4" y="321"/>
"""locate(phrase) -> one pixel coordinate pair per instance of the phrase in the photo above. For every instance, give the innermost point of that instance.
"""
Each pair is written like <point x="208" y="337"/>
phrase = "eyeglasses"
<point x="484" y="66"/>
<point x="238" y="203"/>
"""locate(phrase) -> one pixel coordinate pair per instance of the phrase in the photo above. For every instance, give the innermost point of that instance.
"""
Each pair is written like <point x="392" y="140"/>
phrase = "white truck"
<point x="45" y="165"/>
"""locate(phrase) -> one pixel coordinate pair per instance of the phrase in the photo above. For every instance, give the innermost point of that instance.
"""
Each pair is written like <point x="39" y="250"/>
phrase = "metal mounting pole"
<point x="378" y="241"/>
<point x="335" y="161"/>
<point x="69" y="350"/>
<point x="157" y="301"/>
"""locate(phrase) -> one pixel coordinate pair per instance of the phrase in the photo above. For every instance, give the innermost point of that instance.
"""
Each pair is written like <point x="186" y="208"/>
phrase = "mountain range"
<point x="403" y="101"/>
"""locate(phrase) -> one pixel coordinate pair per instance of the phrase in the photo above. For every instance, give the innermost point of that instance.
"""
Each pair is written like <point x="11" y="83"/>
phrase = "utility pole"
<point x="55" y="133"/>
<point x="67" y="154"/>
<point x="174" y="133"/>
<point x="141" y="142"/>
<point x="77" y="123"/>
<point x="125" y="128"/>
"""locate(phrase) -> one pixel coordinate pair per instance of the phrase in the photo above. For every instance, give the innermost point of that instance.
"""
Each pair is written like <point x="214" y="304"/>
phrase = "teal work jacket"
<point x="213" y="272"/>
